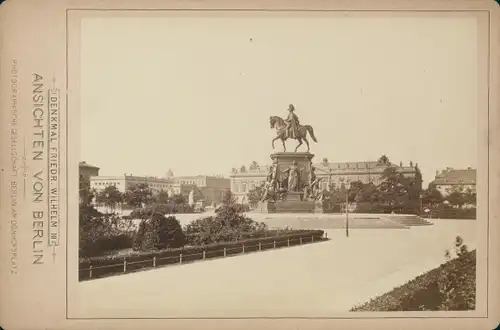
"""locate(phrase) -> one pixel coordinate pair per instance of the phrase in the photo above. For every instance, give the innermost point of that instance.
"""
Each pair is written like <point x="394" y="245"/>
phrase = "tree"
<point x="138" y="195"/>
<point x="109" y="197"/>
<point x="384" y="160"/>
<point x="456" y="199"/>
<point x="87" y="195"/>
<point x="159" y="232"/>
<point x="177" y="199"/>
<point x="470" y="196"/>
<point x="148" y="211"/>
<point x="432" y="197"/>
<point x="228" y="225"/>
<point x="94" y="227"/>
<point x="354" y="190"/>
<point x="399" y="193"/>
<point x="369" y="194"/>
<point x="162" y="197"/>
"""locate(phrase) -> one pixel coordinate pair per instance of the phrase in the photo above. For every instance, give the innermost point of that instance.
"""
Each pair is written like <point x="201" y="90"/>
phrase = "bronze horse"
<point x="302" y="130"/>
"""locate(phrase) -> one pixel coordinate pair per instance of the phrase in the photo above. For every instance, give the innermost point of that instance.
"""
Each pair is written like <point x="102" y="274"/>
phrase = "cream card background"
<point x="42" y="37"/>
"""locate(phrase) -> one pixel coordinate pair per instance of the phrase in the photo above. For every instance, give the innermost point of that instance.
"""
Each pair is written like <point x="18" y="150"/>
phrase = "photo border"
<point x="486" y="206"/>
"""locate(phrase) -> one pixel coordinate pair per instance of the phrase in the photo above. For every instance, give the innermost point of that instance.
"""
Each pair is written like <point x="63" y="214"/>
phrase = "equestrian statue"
<point x="291" y="128"/>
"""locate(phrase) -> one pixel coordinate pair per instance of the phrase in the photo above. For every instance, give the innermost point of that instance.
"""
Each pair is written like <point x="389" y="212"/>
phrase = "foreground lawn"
<point x="450" y="287"/>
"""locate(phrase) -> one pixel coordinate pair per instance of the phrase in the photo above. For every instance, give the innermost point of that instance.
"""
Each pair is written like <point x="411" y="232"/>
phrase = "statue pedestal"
<point x="293" y="196"/>
<point x="286" y="206"/>
<point x="266" y="207"/>
<point x="292" y="206"/>
<point x="303" y="160"/>
<point x="293" y="202"/>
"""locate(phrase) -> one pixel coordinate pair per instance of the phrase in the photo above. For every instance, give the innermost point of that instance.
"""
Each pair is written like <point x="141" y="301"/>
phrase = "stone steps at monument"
<point x="411" y="221"/>
<point x="313" y="222"/>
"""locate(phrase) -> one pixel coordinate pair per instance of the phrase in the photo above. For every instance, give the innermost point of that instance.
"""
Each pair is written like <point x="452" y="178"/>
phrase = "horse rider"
<point x="292" y="122"/>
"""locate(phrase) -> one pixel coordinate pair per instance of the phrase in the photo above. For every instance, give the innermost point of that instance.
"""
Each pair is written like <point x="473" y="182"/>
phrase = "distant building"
<point x="212" y="188"/>
<point x="124" y="182"/>
<point x="244" y="180"/>
<point x="208" y="189"/>
<point x="450" y="179"/>
<point x="86" y="170"/>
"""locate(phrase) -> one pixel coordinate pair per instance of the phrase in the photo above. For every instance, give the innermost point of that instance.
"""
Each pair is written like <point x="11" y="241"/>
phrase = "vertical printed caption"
<point x="45" y="157"/>
<point x="54" y="167"/>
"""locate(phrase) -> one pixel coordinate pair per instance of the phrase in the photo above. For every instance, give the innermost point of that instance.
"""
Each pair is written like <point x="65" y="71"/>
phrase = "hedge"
<point x="383" y="208"/>
<point x="137" y="260"/>
<point x="423" y="292"/>
<point x="452" y="213"/>
<point x="107" y="244"/>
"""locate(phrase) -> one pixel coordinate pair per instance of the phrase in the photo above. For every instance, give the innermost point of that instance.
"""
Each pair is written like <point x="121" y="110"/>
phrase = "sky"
<point x="194" y="93"/>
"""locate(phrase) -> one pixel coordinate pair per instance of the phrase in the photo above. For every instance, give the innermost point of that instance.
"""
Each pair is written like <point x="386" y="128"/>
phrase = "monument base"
<point x="266" y="207"/>
<point x="318" y="207"/>
<point x="293" y="206"/>
<point x="293" y="202"/>
<point x="293" y="196"/>
<point x="286" y="206"/>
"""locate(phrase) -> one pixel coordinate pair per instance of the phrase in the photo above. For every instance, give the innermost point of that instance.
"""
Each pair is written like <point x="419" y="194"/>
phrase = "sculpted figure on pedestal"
<point x="291" y="128"/>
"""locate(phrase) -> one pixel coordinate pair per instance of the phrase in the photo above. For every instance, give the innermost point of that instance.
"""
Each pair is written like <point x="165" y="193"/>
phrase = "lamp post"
<point x="347" y="186"/>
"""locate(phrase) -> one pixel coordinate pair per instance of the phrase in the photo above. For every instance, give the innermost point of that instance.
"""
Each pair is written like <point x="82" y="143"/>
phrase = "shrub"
<point x="106" y="244"/>
<point x="330" y="206"/>
<point x="228" y="225"/>
<point x="139" y="236"/>
<point x="158" y="233"/>
<point x="453" y="213"/>
<point x="451" y="286"/>
<point x="456" y="284"/>
<point x="99" y="233"/>
<point x="148" y="211"/>
<point x="218" y="229"/>
<point x="372" y="208"/>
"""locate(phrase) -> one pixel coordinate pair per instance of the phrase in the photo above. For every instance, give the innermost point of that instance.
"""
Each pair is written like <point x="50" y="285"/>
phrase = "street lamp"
<point x="347" y="186"/>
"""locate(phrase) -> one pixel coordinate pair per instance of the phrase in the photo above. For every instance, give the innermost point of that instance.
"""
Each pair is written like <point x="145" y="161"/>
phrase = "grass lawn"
<point x="451" y="286"/>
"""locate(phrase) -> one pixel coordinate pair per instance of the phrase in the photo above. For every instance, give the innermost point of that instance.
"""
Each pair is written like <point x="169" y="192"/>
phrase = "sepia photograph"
<point x="309" y="163"/>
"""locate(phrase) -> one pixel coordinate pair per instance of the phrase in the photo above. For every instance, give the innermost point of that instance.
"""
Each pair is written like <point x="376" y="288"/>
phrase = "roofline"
<point x="198" y="177"/>
<point x="88" y="166"/>
<point x="453" y="183"/>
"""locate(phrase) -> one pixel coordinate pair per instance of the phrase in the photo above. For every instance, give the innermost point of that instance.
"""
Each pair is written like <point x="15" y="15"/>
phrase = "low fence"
<point x="109" y="267"/>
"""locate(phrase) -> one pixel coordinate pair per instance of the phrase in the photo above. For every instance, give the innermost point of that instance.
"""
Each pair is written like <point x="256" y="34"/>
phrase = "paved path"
<point x="312" y="280"/>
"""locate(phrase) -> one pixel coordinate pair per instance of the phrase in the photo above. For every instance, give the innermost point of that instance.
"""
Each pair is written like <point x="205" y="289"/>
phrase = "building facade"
<point x="243" y="180"/>
<point x="207" y="189"/>
<point x="124" y="182"/>
<point x="452" y="179"/>
<point x="86" y="170"/>
<point x="211" y="188"/>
